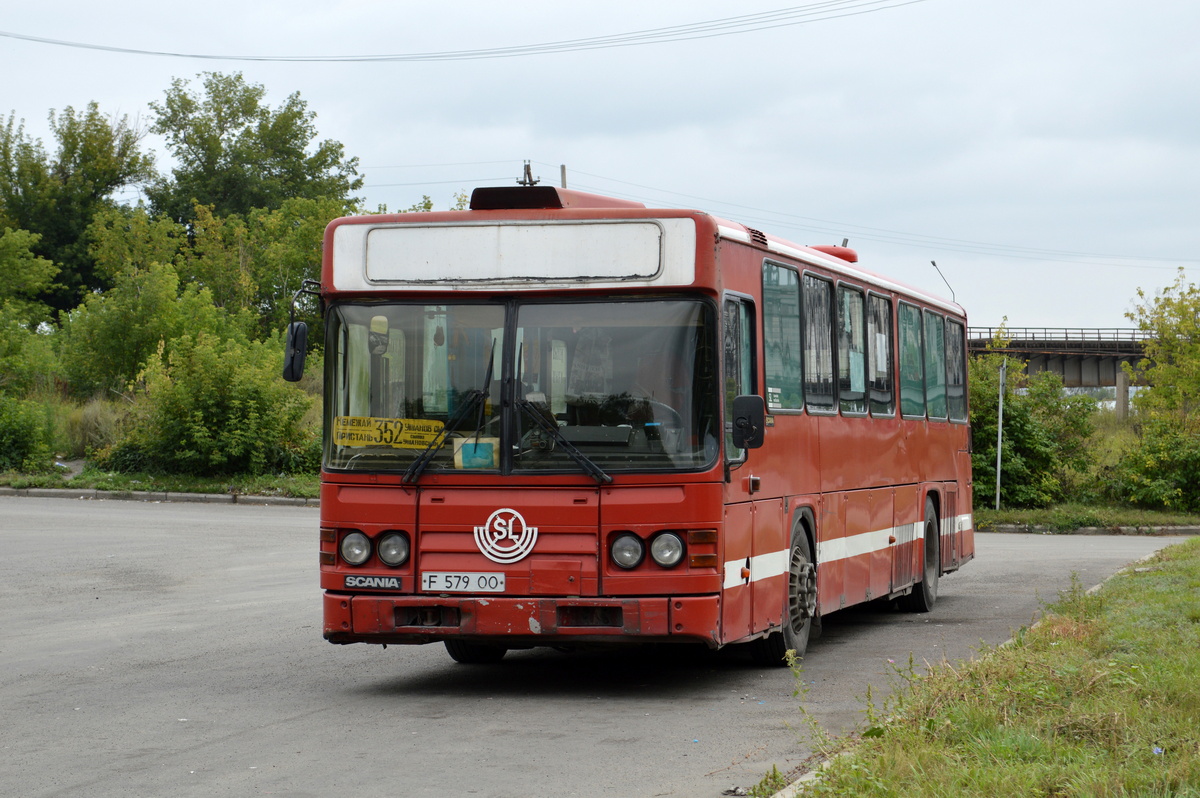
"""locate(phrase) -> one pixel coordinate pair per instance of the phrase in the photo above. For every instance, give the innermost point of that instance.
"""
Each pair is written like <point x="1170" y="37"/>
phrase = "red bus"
<point x="562" y="419"/>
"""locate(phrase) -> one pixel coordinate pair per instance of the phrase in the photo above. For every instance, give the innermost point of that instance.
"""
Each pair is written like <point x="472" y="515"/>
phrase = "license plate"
<point x="457" y="582"/>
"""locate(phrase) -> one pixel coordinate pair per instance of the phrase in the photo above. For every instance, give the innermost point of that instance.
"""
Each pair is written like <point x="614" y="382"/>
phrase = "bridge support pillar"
<point x="1122" y="395"/>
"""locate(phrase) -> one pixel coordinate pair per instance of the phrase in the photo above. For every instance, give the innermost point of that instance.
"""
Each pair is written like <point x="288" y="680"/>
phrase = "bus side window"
<point x="912" y="365"/>
<point x="818" y="344"/>
<point x="781" y="337"/>
<point x="935" y="365"/>
<point x="956" y="371"/>
<point x="852" y="351"/>
<point x="879" y="357"/>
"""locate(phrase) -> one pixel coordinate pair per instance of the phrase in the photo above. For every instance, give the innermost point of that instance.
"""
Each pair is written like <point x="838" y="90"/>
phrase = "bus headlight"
<point x="627" y="550"/>
<point x="393" y="549"/>
<point x="356" y="548"/>
<point x="667" y="549"/>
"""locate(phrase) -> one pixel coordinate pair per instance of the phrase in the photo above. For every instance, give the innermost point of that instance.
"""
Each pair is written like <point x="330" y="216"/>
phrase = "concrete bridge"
<point x="1083" y="357"/>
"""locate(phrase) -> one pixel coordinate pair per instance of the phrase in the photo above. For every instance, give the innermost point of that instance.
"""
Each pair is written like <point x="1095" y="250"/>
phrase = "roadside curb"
<point x="1033" y="529"/>
<point x="93" y="494"/>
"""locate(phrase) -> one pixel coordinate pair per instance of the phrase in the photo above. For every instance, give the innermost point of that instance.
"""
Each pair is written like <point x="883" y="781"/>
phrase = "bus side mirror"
<point x="749" y="419"/>
<point x="295" y="350"/>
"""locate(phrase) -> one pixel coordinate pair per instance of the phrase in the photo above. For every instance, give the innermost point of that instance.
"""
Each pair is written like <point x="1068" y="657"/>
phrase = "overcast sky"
<point x="1046" y="153"/>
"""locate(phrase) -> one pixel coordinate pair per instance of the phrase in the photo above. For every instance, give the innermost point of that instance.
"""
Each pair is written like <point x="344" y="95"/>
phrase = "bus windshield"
<point x="602" y="386"/>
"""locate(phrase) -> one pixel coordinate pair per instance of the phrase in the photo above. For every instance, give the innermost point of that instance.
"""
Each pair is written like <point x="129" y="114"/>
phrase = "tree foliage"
<point x="235" y="154"/>
<point x="177" y="304"/>
<point x="27" y="361"/>
<point x="1164" y="469"/>
<point x="1045" y="434"/>
<point x="23" y="277"/>
<point x="55" y="197"/>
<point x="1171" y="322"/>
<point x="108" y="340"/>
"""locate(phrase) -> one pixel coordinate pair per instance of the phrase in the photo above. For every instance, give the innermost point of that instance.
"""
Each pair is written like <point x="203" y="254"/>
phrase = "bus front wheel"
<point x="799" y="611"/>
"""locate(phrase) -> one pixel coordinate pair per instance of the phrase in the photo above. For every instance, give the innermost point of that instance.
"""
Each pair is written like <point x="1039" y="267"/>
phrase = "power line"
<point x="728" y="26"/>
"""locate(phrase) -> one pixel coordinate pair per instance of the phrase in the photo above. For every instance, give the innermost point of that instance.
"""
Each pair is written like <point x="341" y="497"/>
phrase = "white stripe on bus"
<point x="765" y="566"/>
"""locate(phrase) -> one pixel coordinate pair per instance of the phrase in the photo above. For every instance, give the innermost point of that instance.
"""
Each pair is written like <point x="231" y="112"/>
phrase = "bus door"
<point x="907" y="523"/>
<point x="736" y="594"/>
<point x="951" y="535"/>
<point x="756" y="561"/>
<point x="769" y="564"/>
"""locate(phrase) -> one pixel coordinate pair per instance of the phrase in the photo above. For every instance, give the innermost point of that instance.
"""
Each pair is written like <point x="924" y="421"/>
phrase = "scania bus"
<point x="559" y="419"/>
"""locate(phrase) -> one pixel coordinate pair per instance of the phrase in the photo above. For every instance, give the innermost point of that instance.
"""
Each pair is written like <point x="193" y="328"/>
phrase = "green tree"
<point x="107" y="340"/>
<point x="127" y="238"/>
<point x="1045" y="433"/>
<point x="23" y="277"/>
<point x="1171" y="323"/>
<point x="57" y="196"/>
<point x="286" y="245"/>
<point x="1164" y="469"/>
<point x="234" y="153"/>
<point x="27" y="360"/>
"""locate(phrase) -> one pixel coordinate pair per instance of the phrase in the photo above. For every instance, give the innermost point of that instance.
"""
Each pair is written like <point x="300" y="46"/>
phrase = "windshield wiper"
<point x="554" y="432"/>
<point x="474" y="399"/>
<point x="550" y="428"/>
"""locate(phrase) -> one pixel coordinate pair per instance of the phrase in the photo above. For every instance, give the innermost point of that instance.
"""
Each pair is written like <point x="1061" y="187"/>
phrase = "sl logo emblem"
<point x="505" y="538"/>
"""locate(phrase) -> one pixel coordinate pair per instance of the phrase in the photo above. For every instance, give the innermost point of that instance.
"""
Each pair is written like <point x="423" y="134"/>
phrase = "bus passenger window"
<point x="818" y="344"/>
<point x="879" y="357"/>
<point x="781" y="337"/>
<point x="912" y="366"/>
<point x="852" y="351"/>
<point x="956" y="371"/>
<point x="935" y="365"/>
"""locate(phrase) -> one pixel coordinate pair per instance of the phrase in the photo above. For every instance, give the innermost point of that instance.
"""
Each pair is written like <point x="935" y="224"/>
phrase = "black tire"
<point x="470" y="653"/>
<point x="799" y="610"/>
<point x="924" y="593"/>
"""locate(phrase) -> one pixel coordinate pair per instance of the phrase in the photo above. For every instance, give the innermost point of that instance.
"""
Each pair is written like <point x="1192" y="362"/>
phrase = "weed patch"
<point x="1098" y="699"/>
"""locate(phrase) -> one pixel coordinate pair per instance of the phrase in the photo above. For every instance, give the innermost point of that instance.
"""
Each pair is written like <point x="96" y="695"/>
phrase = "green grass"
<point x="304" y="486"/>
<point x="1067" y="517"/>
<point x="1101" y="698"/>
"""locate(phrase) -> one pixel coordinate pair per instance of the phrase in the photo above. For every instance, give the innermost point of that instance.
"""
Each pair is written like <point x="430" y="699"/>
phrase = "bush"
<point x="24" y="436"/>
<point x="1164" y="472"/>
<point x="94" y="426"/>
<point x="27" y="360"/>
<point x="110" y="337"/>
<point x="216" y="406"/>
<point x="1045" y="435"/>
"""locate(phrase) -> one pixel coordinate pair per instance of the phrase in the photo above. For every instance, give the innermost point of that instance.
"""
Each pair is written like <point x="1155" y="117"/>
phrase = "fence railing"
<point x="1058" y="333"/>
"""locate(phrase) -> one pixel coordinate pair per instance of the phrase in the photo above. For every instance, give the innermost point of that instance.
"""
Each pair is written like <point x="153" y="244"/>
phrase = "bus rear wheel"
<point x="924" y="593"/>
<point x="799" y="611"/>
<point x="470" y="653"/>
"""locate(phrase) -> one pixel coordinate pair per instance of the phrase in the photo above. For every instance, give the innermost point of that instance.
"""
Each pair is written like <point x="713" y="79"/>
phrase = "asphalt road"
<point x="175" y="650"/>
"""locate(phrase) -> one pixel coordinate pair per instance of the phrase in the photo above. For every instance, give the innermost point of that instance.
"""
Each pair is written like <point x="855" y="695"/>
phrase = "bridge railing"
<point x="1058" y="333"/>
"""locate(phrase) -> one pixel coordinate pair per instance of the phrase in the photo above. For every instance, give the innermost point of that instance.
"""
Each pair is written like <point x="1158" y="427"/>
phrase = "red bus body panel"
<point x="857" y="485"/>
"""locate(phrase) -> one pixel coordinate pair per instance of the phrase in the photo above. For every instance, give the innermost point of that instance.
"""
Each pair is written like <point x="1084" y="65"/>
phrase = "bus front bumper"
<point x="527" y="621"/>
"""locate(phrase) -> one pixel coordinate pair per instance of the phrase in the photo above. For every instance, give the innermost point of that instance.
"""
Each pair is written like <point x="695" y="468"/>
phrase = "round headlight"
<point x="667" y="549"/>
<point x="393" y="549"/>
<point x="628" y="550"/>
<point x="356" y="548"/>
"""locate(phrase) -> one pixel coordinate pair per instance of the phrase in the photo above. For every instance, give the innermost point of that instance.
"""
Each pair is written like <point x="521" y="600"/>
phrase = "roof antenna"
<point x="528" y="180"/>
<point x="944" y="280"/>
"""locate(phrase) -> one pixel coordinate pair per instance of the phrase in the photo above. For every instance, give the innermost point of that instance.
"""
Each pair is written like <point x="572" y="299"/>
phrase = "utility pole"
<point x="562" y="168"/>
<point x="528" y="179"/>
<point x="1000" y="427"/>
